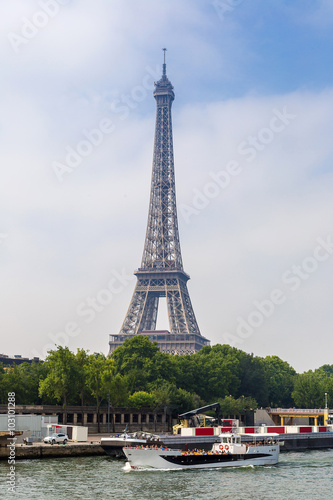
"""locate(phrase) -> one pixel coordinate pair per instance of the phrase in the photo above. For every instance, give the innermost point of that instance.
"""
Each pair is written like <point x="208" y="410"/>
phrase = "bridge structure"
<point x="286" y="416"/>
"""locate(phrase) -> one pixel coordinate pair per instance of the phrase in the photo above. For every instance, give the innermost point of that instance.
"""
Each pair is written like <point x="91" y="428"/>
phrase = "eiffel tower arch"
<point x="161" y="273"/>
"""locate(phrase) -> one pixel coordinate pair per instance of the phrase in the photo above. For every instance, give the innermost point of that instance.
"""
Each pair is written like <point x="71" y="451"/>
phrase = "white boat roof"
<point x="259" y="435"/>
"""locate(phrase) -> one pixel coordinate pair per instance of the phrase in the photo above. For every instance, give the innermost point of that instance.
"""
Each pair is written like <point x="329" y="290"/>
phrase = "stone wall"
<point x="114" y="420"/>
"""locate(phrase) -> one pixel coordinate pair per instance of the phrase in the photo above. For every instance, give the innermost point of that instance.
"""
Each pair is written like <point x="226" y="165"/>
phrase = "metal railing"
<point x="319" y="411"/>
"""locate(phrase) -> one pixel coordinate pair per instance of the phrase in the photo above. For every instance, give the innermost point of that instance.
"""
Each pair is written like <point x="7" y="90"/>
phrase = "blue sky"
<point x="252" y="123"/>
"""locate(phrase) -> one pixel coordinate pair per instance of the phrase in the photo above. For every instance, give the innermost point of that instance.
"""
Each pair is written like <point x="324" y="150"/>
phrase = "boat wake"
<point x="131" y="468"/>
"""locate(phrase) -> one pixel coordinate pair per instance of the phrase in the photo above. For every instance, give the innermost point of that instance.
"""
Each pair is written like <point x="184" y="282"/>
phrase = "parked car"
<point x="56" y="438"/>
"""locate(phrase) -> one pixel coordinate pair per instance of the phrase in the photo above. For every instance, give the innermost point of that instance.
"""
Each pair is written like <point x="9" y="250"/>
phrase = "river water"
<point x="299" y="475"/>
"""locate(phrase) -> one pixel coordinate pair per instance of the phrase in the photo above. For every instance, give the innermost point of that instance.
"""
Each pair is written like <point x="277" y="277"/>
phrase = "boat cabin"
<point x="230" y="439"/>
<point x="229" y="443"/>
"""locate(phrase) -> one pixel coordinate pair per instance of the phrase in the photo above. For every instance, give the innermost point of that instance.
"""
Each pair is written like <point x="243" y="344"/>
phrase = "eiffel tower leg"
<point x="181" y="315"/>
<point x="142" y="311"/>
<point x="134" y="313"/>
<point x="149" y="316"/>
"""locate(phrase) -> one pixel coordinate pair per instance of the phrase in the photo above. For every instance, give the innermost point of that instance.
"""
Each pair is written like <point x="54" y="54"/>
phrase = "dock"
<point x="301" y="442"/>
<point x="42" y="450"/>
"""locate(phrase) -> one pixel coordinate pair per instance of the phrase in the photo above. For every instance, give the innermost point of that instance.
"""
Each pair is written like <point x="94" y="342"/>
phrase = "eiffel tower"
<point x="161" y="273"/>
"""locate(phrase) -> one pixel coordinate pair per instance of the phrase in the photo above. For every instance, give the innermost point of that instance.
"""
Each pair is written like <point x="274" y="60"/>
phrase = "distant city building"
<point x="161" y="273"/>
<point x="16" y="360"/>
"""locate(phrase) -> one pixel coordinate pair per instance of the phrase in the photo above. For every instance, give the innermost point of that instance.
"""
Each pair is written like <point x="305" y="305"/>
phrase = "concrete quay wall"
<point x="295" y="442"/>
<point x="41" y="450"/>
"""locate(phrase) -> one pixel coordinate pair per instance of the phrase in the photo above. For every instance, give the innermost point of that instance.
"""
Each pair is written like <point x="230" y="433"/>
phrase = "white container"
<point x="188" y="431"/>
<point x="292" y="429"/>
<point x="31" y="423"/>
<point x="80" y="434"/>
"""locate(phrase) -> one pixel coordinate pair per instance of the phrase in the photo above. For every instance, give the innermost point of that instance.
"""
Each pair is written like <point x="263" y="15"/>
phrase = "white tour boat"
<point x="229" y="452"/>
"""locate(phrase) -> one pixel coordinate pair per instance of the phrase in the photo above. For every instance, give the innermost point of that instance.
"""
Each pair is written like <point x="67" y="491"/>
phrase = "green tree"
<point x="253" y="381"/>
<point x="325" y="375"/>
<point x="115" y="388"/>
<point x="182" y="401"/>
<point x="141" y="399"/>
<point x="23" y="379"/>
<point x="188" y="374"/>
<point x="172" y="399"/>
<point x="134" y="359"/>
<point x="133" y="354"/>
<point x="3" y="387"/>
<point x="325" y="371"/>
<point x="308" y="390"/>
<point x="141" y="362"/>
<point x="280" y="377"/>
<point x="95" y="369"/>
<point x="219" y="372"/>
<point x="232" y="406"/>
<point x="82" y="360"/>
<point x="61" y="382"/>
<point x="212" y="373"/>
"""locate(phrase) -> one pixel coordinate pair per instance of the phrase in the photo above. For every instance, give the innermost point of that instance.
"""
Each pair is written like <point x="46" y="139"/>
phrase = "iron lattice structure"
<point x="161" y="273"/>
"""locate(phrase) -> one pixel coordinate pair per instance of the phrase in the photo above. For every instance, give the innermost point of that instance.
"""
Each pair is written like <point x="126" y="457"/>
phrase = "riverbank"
<point x="291" y="442"/>
<point x="42" y="450"/>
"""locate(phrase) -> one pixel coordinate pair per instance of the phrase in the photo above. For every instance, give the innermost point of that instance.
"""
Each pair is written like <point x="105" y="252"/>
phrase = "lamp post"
<point x="108" y="412"/>
<point x="325" y="400"/>
<point x="165" y="412"/>
<point x="243" y="410"/>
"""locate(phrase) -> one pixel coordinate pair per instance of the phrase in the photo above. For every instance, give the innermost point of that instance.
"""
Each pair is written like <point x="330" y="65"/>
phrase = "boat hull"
<point x="114" y="446"/>
<point x="175" y="459"/>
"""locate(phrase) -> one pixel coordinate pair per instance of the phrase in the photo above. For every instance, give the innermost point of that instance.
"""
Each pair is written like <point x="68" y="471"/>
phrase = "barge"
<point x="196" y="430"/>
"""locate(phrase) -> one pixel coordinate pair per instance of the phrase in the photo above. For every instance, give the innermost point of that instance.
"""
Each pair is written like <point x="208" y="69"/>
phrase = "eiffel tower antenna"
<point x="164" y="65"/>
<point x="161" y="273"/>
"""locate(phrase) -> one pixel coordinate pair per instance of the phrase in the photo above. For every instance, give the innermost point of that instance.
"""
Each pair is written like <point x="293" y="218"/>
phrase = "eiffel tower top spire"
<point x="164" y="65"/>
<point x="162" y="247"/>
<point x="164" y="86"/>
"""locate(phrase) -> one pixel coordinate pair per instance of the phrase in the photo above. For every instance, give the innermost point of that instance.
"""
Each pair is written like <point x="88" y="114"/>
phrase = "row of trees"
<point x="139" y="375"/>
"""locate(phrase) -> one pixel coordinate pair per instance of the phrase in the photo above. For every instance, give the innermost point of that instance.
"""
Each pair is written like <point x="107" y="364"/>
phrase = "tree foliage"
<point x="280" y="377"/>
<point x="232" y="406"/>
<point x="24" y="380"/>
<point x="61" y="382"/>
<point x="138" y="375"/>
<point x="141" y="399"/>
<point x="310" y="388"/>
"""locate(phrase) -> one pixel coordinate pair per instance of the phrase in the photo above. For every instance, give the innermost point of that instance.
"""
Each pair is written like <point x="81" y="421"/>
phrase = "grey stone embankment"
<point x="41" y="450"/>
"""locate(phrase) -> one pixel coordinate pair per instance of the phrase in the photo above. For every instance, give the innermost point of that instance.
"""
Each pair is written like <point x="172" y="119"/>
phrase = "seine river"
<point x="303" y="475"/>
